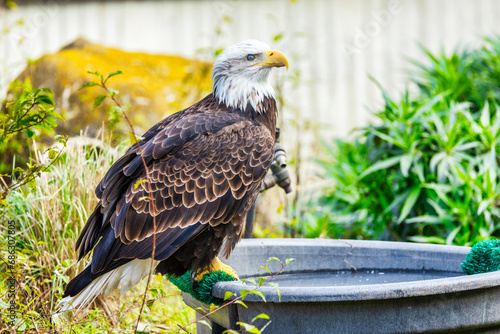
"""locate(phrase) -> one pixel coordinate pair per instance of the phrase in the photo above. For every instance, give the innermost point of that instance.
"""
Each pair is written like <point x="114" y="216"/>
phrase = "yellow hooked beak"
<point x="275" y="59"/>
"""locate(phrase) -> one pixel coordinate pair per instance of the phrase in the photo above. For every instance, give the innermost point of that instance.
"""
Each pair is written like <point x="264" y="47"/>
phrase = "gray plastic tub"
<point x="352" y="286"/>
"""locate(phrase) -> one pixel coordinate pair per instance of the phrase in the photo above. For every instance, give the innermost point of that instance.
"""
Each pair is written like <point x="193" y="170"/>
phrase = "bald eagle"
<point x="206" y="164"/>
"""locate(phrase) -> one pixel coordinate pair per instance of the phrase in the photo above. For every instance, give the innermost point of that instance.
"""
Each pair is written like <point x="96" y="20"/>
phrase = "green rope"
<point x="203" y="291"/>
<point x="483" y="257"/>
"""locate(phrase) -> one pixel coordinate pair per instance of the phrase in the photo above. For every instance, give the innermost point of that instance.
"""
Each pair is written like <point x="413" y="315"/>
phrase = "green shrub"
<point x="31" y="113"/>
<point x="471" y="76"/>
<point x="428" y="171"/>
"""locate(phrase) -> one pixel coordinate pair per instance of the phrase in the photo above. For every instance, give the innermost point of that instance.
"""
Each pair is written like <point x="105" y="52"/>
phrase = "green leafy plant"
<point x="471" y="76"/>
<point x="115" y="112"/>
<point x="429" y="171"/>
<point x="31" y="113"/>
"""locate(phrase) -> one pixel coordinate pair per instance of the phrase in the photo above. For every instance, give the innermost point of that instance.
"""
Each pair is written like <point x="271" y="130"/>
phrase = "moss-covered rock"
<point x="151" y="86"/>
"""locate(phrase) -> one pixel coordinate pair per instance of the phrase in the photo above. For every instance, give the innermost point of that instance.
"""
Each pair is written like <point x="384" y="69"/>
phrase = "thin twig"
<point x="265" y="326"/>
<point x="151" y="199"/>
<point x="347" y="254"/>
<point x="33" y="176"/>
<point x="184" y="329"/>
<point x="9" y="130"/>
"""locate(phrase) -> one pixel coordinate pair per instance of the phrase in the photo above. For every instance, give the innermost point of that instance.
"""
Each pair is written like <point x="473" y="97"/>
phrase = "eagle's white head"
<point x="240" y="74"/>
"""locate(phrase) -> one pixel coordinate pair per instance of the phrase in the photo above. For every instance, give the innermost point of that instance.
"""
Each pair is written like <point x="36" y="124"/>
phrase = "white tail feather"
<point x="123" y="277"/>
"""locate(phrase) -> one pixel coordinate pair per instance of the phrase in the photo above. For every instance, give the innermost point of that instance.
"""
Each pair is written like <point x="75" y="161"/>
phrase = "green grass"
<point x="48" y="222"/>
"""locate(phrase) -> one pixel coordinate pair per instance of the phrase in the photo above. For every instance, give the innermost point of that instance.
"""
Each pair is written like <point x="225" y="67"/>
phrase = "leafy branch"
<point x="115" y="113"/>
<point x="262" y="281"/>
<point x="34" y="110"/>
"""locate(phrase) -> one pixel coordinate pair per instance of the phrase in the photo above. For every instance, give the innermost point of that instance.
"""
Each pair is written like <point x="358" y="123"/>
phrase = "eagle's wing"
<point x="203" y="168"/>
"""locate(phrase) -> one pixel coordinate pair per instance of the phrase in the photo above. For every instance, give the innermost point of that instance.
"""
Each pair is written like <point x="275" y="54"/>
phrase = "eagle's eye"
<point x="250" y="57"/>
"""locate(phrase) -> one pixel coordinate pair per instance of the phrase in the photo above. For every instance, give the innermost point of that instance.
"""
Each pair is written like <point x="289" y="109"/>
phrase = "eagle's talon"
<point x="194" y="280"/>
<point x="217" y="265"/>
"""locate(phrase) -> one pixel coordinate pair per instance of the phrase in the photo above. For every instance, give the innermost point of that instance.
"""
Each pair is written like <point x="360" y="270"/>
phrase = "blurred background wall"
<point x="333" y="45"/>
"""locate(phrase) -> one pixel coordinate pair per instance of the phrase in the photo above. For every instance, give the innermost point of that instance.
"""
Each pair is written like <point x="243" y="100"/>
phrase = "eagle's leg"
<point x="217" y="265"/>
